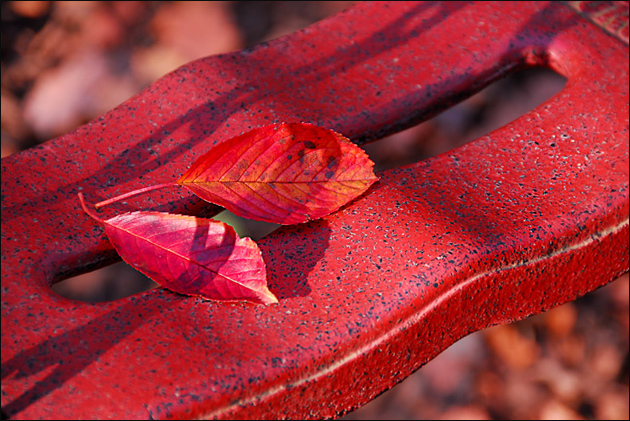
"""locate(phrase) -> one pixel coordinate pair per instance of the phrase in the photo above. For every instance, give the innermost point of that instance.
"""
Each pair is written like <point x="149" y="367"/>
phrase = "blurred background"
<point x="66" y="62"/>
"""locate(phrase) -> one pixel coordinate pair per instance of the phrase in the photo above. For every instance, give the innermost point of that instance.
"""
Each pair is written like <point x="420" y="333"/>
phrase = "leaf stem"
<point x="132" y="193"/>
<point x="86" y="210"/>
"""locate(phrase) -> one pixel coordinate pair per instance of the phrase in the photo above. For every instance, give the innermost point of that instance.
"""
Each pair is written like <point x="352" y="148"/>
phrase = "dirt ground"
<point x="65" y="63"/>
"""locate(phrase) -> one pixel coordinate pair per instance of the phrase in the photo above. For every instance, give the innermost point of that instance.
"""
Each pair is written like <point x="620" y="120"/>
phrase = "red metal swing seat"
<point x="528" y="217"/>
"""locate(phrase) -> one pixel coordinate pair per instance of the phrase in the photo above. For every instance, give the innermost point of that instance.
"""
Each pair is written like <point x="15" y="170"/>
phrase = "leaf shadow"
<point x="288" y="265"/>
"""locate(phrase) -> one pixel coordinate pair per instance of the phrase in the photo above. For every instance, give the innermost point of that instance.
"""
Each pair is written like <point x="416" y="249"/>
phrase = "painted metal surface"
<point x="528" y="217"/>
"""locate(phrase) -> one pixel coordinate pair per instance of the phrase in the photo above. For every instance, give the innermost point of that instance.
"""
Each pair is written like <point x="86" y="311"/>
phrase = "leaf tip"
<point x="268" y="298"/>
<point x="272" y="299"/>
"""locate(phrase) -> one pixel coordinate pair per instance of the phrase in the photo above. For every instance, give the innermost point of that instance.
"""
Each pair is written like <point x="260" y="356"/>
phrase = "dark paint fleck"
<point x="386" y="76"/>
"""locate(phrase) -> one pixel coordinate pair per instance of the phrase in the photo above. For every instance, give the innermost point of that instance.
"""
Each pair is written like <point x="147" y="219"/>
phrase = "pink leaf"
<point x="189" y="255"/>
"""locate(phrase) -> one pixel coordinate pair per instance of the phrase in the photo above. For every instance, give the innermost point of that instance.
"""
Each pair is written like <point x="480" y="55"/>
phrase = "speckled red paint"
<point x="513" y="223"/>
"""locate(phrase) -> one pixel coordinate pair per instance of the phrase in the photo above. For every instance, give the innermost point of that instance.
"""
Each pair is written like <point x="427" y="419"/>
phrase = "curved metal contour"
<point x="528" y="217"/>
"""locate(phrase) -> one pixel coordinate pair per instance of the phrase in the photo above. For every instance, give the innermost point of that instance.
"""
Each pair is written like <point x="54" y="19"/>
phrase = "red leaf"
<point x="282" y="173"/>
<point x="191" y="256"/>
